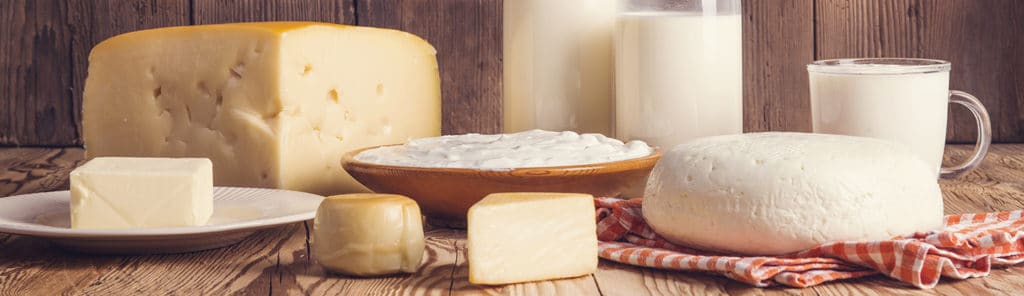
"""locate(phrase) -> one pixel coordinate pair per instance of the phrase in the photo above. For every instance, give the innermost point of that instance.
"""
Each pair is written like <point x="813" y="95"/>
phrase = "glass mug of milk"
<point x="678" y="70"/>
<point x="903" y="100"/>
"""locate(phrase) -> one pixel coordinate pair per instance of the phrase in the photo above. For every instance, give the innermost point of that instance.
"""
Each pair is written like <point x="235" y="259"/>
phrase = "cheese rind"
<point x="271" y="104"/>
<point x="778" y="193"/>
<point x="368" y="234"/>
<point x="118" y="192"/>
<point x="522" y="237"/>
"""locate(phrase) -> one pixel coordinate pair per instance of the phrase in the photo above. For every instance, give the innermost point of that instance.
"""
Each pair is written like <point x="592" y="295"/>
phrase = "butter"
<point x="368" y="234"/>
<point x="123" y="192"/>
<point x="523" y="237"/>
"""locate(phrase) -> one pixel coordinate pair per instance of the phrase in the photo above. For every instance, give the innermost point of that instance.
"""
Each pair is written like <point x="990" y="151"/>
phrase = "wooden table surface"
<point x="277" y="261"/>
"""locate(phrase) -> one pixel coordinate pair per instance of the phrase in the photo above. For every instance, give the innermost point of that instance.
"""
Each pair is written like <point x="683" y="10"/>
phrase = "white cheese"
<point x="522" y="237"/>
<point x="368" y="234"/>
<point x="535" y="148"/>
<point x="271" y="104"/>
<point x="119" y="192"/>
<point x="776" y="193"/>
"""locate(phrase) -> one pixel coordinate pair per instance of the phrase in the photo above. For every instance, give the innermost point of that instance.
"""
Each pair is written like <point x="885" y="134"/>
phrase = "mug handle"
<point x="984" y="134"/>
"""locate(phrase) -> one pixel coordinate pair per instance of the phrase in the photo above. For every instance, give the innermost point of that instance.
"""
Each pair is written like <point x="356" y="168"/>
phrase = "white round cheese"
<point x="777" y="193"/>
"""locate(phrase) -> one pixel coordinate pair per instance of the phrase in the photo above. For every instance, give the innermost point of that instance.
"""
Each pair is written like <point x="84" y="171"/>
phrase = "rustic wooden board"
<point x="236" y="11"/>
<point x="44" y="63"/>
<point x="277" y="261"/>
<point x="981" y="39"/>
<point x="467" y="35"/>
<point x="35" y="74"/>
<point x="778" y="43"/>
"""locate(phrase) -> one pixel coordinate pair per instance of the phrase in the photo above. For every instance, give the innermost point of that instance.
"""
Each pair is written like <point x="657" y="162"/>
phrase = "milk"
<point x="678" y="77"/>
<point x="558" y="61"/>
<point x="906" y="108"/>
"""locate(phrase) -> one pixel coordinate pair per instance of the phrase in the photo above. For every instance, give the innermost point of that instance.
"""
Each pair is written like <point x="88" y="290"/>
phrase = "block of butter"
<point x="271" y="104"/>
<point x="124" y="192"/>
<point x="368" y="234"/>
<point x="522" y="237"/>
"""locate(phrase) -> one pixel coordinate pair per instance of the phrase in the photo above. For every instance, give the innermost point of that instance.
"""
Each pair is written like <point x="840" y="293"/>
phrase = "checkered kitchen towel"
<point x="968" y="247"/>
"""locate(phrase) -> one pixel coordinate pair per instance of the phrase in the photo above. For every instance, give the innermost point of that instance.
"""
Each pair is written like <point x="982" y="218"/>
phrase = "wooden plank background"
<point x="43" y="56"/>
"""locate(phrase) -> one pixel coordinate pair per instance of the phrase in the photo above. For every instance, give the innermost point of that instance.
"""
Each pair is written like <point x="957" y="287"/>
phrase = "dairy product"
<point x="907" y="108"/>
<point x="120" y="192"/>
<point x="521" y="237"/>
<point x="271" y="104"/>
<point x="368" y="234"/>
<point x="558" y="65"/>
<point x="678" y="77"/>
<point x="535" y="148"/>
<point x="777" y="193"/>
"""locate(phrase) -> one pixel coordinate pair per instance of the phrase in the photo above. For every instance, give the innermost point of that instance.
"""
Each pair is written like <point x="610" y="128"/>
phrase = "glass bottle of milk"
<point x="558" y="59"/>
<point x="678" y="70"/>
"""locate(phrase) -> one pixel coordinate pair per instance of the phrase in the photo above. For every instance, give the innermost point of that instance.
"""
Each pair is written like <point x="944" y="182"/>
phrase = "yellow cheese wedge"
<point x="121" y="192"/>
<point x="522" y="237"/>
<point x="368" y="234"/>
<point x="271" y="104"/>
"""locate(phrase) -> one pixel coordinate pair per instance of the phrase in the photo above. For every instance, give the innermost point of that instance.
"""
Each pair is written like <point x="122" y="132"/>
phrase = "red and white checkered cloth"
<point x="968" y="247"/>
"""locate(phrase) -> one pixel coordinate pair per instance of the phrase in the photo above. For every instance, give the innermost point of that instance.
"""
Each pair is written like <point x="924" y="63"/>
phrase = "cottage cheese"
<point x="535" y="148"/>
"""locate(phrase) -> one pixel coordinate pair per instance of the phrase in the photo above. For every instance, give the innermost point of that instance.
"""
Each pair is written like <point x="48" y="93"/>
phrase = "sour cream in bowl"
<point x="448" y="174"/>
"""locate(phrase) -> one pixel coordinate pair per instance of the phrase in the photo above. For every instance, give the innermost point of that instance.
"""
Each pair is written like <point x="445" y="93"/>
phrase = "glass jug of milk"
<point x="558" y="65"/>
<point x="678" y="70"/>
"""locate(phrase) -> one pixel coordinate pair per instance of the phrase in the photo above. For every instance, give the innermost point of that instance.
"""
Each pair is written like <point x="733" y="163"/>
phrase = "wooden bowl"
<point x="445" y="194"/>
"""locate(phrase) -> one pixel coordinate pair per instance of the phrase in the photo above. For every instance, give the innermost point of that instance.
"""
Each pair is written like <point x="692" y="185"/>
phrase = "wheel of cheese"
<point x="778" y="193"/>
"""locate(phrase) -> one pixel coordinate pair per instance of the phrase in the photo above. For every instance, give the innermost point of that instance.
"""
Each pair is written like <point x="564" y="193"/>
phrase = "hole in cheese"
<point x="380" y="89"/>
<point x="157" y="92"/>
<point x="333" y="95"/>
<point x="237" y="71"/>
<point x="307" y="70"/>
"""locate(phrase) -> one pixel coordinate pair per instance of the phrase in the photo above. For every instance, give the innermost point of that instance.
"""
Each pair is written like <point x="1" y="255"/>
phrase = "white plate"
<point x="238" y="212"/>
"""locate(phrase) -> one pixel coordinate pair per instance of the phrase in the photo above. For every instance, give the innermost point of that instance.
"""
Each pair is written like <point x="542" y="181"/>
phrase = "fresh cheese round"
<point x="778" y="193"/>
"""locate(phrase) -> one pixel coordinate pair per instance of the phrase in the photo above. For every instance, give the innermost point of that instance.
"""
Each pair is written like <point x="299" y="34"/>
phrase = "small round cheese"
<point x="368" y="234"/>
<point x="778" y="193"/>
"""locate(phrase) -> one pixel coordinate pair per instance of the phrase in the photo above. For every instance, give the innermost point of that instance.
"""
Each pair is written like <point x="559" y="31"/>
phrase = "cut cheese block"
<point x="778" y="193"/>
<point x="271" y="104"/>
<point x="120" y="192"/>
<point x="522" y="237"/>
<point x="368" y="234"/>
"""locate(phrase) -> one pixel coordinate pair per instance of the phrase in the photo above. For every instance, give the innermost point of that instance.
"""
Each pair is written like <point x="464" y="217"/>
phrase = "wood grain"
<point x="980" y="38"/>
<point x="236" y="11"/>
<point x="467" y="35"/>
<point x="277" y="261"/>
<point x="35" y="74"/>
<point x="778" y="42"/>
<point x="29" y="170"/>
